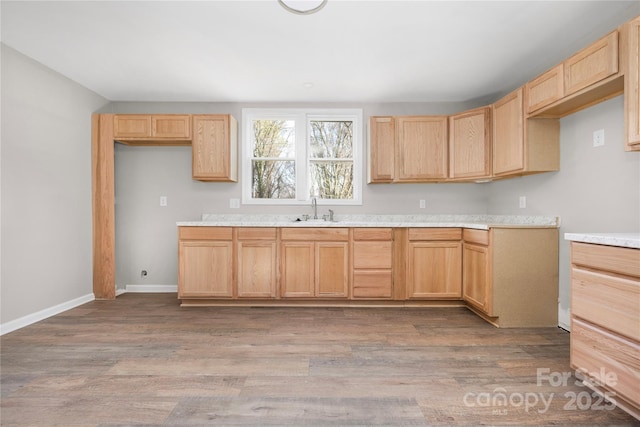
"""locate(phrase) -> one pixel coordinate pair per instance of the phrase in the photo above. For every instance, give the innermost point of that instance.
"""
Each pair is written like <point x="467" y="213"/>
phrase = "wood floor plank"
<point x="144" y="360"/>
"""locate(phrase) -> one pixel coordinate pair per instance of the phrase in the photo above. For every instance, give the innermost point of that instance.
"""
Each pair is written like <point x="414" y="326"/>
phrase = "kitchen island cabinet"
<point x="605" y="316"/>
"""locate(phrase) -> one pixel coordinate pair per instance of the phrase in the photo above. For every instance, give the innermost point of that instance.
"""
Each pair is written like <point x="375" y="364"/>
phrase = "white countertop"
<point x="623" y="240"/>
<point x="481" y="222"/>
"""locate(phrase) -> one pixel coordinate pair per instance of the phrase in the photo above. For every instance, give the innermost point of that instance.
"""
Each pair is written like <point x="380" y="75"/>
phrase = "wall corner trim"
<point x="32" y="318"/>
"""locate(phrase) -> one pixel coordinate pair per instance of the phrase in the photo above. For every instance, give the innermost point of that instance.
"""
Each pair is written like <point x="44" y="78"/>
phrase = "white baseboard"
<point x="152" y="288"/>
<point x="30" y="319"/>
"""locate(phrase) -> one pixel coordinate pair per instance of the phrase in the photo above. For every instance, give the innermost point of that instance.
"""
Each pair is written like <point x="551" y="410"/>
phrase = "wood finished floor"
<point x="143" y="360"/>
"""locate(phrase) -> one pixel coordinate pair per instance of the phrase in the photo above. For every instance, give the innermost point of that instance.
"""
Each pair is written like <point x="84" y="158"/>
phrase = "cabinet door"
<point x="592" y="64"/>
<point x="297" y="269"/>
<point x="475" y="276"/>
<point x="256" y="269"/>
<point x="421" y="148"/>
<point x="214" y="148"/>
<point x="545" y="89"/>
<point x="205" y="269"/>
<point x="382" y="137"/>
<point x="632" y="87"/>
<point x="508" y="134"/>
<point x="332" y="269"/>
<point x="132" y="126"/>
<point x="470" y="144"/>
<point x="435" y="270"/>
<point x="171" y="126"/>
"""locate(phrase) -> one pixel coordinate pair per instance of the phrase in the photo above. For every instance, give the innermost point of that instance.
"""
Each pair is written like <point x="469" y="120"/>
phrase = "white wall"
<point x="146" y="235"/>
<point x="596" y="190"/>
<point x="46" y="187"/>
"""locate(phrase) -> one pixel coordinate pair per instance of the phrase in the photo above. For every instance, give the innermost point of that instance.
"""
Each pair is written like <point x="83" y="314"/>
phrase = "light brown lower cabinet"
<point x="605" y="321"/>
<point x="372" y="263"/>
<point x="205" y="262"/>
<point x="510" y="275"/>
<point x="257" y="262"/>
<point x="314" y="263"/>
<point x="434" y="263"/>
<point x="475" y="276"/>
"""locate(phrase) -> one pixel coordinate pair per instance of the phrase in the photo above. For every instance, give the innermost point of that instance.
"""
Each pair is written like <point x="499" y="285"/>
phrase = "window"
<point x="291" y="156"/>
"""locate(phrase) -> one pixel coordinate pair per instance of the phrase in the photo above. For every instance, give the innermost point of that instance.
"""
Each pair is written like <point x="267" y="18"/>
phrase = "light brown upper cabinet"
<point x="152" y="129"/>
<point x="408" y="149"/>
<point x="632" y="86"/>
<point x="421" y="148"/>
<point x="215" y="148"/>
<point x="592" y="64"/>
<point x="545" y="89"/>
<point x="470" y="144"/>
<point x="382" y="142"/>
<point x="523" y="146"/>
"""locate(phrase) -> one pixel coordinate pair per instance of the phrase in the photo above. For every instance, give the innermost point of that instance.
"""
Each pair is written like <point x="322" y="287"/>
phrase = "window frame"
<point x="302" y="117"/>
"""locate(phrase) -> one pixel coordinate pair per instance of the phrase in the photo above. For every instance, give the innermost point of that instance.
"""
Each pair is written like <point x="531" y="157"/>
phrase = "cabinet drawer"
<point x="480" y="237"/>
<point x="435" y="233"/>
<point x="592" y="64"/>
<point x="545" y="89"/>
<point x="612" y="302"/>
<point x="608" y="258"/>
<point x="205" y="233"/>
<point x="372" y="254"/>
<point x="372" y="234"/>
<point x="257" y="233"/>
<point x="599" y="352"/>
<point x="315" y="234"/>
<point x="372" y="284"/>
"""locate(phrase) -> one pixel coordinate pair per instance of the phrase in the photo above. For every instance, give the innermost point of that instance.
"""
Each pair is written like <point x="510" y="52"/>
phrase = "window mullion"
<point x="302" y="137"/>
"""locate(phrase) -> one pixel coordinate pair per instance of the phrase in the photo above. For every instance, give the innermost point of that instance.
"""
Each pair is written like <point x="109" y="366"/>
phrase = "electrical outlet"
<point x="523" y="201"/>
<point x="234" y="203"/>
<point x="598" y="138"/>
<point x="163" y="201"/>
<point x="423" y="204"/>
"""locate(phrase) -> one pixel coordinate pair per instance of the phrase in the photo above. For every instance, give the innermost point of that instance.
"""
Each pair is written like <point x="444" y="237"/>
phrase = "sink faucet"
<point x="314" y="205"/>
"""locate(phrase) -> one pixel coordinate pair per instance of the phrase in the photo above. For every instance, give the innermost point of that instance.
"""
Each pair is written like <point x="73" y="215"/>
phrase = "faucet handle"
<point x="330" y="215"/>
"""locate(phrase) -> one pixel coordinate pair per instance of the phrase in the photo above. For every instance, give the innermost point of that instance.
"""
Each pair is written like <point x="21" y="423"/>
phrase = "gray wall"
<point x="46" y="187"/>
<point x="596" y="190"/>
<point x="146" y="235"/>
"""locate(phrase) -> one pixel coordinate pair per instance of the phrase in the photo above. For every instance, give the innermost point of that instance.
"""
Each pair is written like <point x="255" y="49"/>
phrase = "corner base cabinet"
<point x="605" y="321"/>
<point x="510" y="275"/>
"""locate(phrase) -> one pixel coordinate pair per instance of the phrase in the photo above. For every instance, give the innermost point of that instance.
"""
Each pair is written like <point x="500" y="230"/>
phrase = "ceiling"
<point x="350" y="51"/>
